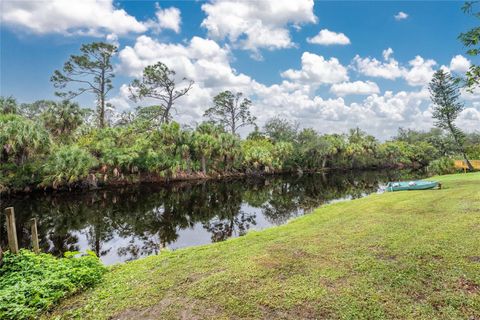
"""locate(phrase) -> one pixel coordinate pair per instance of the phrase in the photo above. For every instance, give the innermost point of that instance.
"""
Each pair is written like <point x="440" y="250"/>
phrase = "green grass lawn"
<point x="405" y="255"/>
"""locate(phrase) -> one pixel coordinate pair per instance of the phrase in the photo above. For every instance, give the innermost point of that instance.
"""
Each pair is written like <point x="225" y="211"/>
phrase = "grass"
<point x="405" y="255"/>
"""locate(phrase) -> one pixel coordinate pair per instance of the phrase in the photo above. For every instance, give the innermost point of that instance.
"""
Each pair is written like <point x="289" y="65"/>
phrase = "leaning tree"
<point x="445" y="95"/>
<point x="91" y="72"/>
<point x="159" y="82"/>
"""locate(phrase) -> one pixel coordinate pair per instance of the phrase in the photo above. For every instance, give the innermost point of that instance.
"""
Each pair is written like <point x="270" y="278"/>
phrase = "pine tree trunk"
<point x="101" y="115"/>
<point x="324" y="162"/>
<point x="204" y="165"/>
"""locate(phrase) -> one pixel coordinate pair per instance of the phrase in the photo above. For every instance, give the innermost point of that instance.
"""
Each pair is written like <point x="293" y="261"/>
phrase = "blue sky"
<point x="259" y="48"/>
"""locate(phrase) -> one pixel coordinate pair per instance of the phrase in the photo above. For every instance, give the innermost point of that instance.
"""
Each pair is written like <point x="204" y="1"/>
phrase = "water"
<point x="122" y="224"/>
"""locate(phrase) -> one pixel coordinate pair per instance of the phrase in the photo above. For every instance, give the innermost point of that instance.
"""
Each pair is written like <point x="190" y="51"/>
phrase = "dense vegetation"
<point x="56" y="144"/>
<point x="31" y="283"/>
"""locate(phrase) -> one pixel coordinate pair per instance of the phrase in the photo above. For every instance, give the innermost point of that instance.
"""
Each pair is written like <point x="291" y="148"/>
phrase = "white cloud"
<point x="356" y="87"/>
<point x="87" y="17"/>
<point x="327" y="37"/>
<point x="317" y="70"/>
<point x="201" y="60"/>
<point x="400" y="16"/>
<point x="380" y="115"/>
<point x="470" y="96"/>
<point x="388" y="69"/>
<point x="209" y="64"/>
<point x="253" y="25"/>
<point x="459" y="64"/>
<point x="112" y="38"/>
<point x="387" y="53"/>
<point x="469" y="118"/>
<point x="421" y="71"/>
<point x="168" y="18"/>
<point x="418" y="72"/>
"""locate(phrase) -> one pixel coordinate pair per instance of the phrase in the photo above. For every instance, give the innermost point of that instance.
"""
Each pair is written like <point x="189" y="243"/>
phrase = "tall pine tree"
<point x="445" y="94"/>
<point x="91" y="71"/>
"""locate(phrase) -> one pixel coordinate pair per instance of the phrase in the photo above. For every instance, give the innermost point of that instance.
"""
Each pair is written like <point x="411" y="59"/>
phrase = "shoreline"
<point x="148" y="178"/>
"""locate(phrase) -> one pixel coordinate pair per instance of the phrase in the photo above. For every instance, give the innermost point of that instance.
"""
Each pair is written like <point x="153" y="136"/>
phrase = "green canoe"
<point x="411" y="185"/>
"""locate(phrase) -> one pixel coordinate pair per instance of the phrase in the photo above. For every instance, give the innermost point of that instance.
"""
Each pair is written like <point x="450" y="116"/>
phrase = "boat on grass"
<point x="412" y="185"/>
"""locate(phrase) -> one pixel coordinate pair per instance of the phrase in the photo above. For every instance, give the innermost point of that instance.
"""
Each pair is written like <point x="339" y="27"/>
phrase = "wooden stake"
<point x="35" y="243"/>
<point x="11" y="230"/>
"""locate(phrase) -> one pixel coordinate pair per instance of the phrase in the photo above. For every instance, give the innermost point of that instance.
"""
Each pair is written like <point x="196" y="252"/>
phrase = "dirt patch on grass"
<point x="303" y="311"/>
<point x="281" y="258"/>
<point x="386" y="256"/>
<point x="382" y="253"/>
<point x="171" y="308"/>
<point x="468" y="285"/>
<point x="474" y="259"/>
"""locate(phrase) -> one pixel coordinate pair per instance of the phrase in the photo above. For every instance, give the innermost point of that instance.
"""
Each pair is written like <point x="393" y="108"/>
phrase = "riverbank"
<point x="100" y="180"/>
<point x="394" y="255"/>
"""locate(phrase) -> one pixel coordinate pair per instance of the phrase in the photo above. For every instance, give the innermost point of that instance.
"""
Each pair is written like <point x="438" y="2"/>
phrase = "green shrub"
<point x="31" y="283"/>
<point x="21" y="139"/>
<point x="67" y="165"/>
<point x="441" y="166"/>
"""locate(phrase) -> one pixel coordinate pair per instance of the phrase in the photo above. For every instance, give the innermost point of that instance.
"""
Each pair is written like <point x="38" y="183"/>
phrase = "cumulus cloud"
<point x="253" y="25"/>
<point x="327" y="37"/>
<point x="201" y="60"/>
<point x="421" y="71"/>
<point x="295" y="97"/>
<point x="459" y="64"/>
<point x="356" y="87"/>
<point x="380" y="115"/>
<point x="87" y="17"/>
<point x="418" y="72"/>
<point x="400" y="16"/>
<point x="317" y="70"/>
<point x="389" y="68"/>
<point x="168" y="18"/>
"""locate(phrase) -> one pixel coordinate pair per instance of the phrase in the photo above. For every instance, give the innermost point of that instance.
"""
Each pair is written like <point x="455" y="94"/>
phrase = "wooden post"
<point x="11" y="230"/>
<point x="35" y="244"/>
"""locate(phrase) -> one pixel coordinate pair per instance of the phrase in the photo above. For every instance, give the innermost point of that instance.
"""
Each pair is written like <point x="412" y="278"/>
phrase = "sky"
<point x="329" y="65"/>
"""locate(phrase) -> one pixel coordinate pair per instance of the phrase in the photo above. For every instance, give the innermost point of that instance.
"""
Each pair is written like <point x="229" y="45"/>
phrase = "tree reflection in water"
<point x="127" y="223"/>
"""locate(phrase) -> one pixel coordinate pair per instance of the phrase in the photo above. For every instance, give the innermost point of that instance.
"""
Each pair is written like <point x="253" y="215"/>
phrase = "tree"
<point x="61" y="119"/>
<point x="33" y="110"/>
<point x="8" y="105"/>
<point x="205" y="142"/>
<point x="279" y="129"/>
<point x="471" y="40"/>
<point x="21" y="139"/>
<point x="312" y="150"/>
<point x="67" y="165"/>
<point x="230" y="111"/>
<point x="153" y="116"/>
<point x="91" y="71"/>
<point x="444" y="93"/>
<point x="158" y="82"/>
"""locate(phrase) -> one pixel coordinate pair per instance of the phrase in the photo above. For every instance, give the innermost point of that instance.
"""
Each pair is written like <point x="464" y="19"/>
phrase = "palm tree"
<point x="61" y="119"/>
<point x="21" y="139"/>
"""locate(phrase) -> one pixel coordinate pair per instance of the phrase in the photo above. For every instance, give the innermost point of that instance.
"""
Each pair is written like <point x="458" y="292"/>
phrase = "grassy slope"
<point x="408" y="255"/>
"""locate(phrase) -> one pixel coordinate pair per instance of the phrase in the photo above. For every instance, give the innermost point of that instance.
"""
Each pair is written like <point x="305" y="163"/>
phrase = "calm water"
<point x="128" y="223"/>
